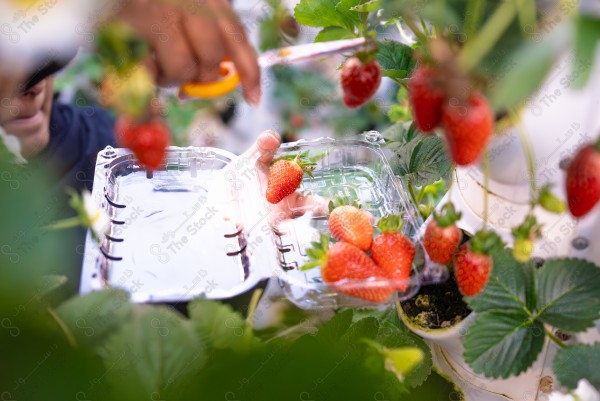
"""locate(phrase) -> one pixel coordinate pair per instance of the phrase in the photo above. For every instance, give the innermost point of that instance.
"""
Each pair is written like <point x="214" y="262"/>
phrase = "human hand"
<point x="190" y="38"/>
<point x="294" y="205"/>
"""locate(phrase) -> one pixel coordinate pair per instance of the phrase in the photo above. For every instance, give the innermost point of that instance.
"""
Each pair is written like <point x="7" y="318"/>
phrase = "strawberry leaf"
<point x="421" y="160"/>
<point x="573" y="364"/>
<point x="91" y="319"/>
<point x="217" y="324"/>
<point x="323" y="13"/>
<point x="495" y="343"/>
<point x="507" y="288"/>
<point x="569" y="294"/>
<point x="157" y="349"/>
<point x="333" y="33"/>
<point x="395" y="56"/>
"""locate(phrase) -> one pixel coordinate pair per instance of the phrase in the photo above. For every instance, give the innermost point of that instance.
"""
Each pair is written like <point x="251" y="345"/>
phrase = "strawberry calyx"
<point x="529" y="229"/>
<point x="307" y="164"/>
<point x="485" y="242"/>
<point x="317" y="254"/>
<point x="342" y="201"/>
<point x="448" y="215"/>
<point x="391" y="223"/>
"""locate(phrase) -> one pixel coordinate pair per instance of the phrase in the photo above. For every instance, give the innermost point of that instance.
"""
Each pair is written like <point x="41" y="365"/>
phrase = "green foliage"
<point x="577" y="362"/>
<point x="508" y="333"/>
<point x="568" y="294"/>
<point x="587" y="30"/>
<point x="396" y="59"/>
<point x="421" y="160"/>
<point x="333" y="33"/>
<point x="325" y="13"/>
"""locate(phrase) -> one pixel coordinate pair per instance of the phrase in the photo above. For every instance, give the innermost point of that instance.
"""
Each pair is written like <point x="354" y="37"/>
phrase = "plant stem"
<point x="420" y="194"/>
<point x="486" y="179"/>
<point x="411" y="191"/>
<point x="63" y="327"/>
<point x="403" y="35"/>
<point x="473" y="14"/>
<point x="485" y="40"/>
<point x="65" y="223"/>
<point x="557" y="340"/>
<point x="420" y="35"/>
<point x="251" y="314"/>
<point x="529" y="157"/>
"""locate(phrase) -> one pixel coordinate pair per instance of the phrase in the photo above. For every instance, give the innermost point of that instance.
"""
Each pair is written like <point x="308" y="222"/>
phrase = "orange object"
<point x="207" y="90"/>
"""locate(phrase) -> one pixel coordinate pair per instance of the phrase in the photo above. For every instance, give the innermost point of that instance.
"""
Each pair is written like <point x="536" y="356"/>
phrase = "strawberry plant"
<point x="519" y="305"/>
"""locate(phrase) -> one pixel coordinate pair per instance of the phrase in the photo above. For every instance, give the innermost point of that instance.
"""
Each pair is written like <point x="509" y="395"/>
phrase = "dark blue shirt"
<point x="77" y="134"/>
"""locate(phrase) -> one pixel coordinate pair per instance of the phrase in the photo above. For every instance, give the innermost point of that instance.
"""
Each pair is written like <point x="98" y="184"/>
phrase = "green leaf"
<point x="395" y="337"/>
<point x="503" y="343"/>
<point x="523" y="73"/>
<point x="586" y="41"/>
<point x="322" y="13"/>
<point x="396" y="74"/>
<point x="331" y="332"/>
<point x="569" y="294"/>
<point x="346" y="8"/>
<point x="401" y="361"/>
<point x="421" y="160"/>
<point x="368" y="7"/>
<point x="577" y="362"/>
<point x="156" y="352"/>
<point x="435" y="388"/>
<point x="507" y="286"/>
<point x="217" y="324"/>
<point x="93" y="317"/>
<point x="333" y="33"/>
<point x="394" y="55"/>
<point x="364" y="328"/>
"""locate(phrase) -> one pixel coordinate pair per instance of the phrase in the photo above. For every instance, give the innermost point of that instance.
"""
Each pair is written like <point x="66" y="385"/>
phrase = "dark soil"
<point x="437" y="306"/>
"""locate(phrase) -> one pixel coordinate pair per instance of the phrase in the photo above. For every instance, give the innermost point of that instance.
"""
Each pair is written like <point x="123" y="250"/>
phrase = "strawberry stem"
<point x="529" y="156"/>
<point x="486" y="179"/>
<point x="420" y="35"/>
<point x="597" y="145"/>
<point x="555" y="339"/>
<point x="487" y="37"/>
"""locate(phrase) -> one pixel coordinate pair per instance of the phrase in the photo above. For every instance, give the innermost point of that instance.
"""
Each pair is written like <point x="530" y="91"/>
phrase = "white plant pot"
<point x="447" y="348"/>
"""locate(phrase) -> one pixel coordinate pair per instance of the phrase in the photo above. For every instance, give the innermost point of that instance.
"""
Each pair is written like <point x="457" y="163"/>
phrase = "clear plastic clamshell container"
<point x="201" y="226"/>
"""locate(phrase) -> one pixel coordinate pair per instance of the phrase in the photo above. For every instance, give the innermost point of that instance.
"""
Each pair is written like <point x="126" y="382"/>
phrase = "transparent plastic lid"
<point x="201" y="226"/>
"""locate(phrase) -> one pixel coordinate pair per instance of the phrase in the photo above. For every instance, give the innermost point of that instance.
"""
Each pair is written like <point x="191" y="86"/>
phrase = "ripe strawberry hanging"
<point x="468" y="128"/>
<point x="350" y="224"/>
<point x="393" y="252"/>
<point x="148" y="140"/>
<point x="473" y="263"/>
<point x="426" y="95"/>
<point x="348" y="270"/>
<point x="285" y="176"/>
<point x="442" y="236"/>
<point x="360" y="79"/>
<point x="583" y="180"/>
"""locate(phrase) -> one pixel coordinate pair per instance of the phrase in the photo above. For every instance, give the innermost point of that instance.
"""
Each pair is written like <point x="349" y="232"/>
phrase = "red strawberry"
<point x="360" y="80"/>
<point x="285" y="177"/>
<point x="473" y="263"/>
<point x="442" y="236"/>
<point x="347" y="269"/>
<point x="352" y="225"/>
<point x="468" y="129"/>
<point x="426" y="96"/>
<point x="147" y="140"/>
<point x="393" y="252"/>
<point x="583" y="180"/>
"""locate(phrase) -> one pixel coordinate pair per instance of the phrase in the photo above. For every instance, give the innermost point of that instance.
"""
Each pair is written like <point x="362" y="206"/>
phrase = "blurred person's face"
<point x="26" y="115"/>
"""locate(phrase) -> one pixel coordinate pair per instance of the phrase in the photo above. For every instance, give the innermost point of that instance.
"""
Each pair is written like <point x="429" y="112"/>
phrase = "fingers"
<point x="239" y="49"/>
<point x="267" y="144"/>
<point x="204" y="39"/>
